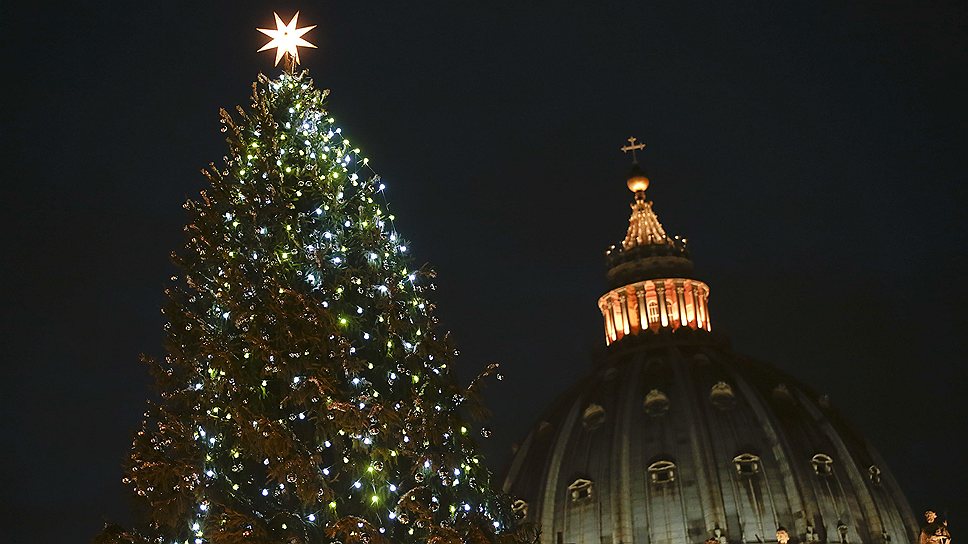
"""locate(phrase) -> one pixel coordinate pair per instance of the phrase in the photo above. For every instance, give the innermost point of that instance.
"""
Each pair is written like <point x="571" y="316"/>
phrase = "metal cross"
<point x="633" y="147"/>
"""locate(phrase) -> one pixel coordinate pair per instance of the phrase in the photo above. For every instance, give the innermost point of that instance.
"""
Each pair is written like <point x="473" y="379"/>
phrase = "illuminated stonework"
<point x="653" y="305"/>
<point x="644" y="226"/>
<point x="673" y="438"/>
<point x="649" y="276"/>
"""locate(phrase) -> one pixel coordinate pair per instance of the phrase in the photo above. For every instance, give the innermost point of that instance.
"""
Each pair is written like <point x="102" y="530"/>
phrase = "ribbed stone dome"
<point x="675" y="438"/>
<point x="674" y="435"/>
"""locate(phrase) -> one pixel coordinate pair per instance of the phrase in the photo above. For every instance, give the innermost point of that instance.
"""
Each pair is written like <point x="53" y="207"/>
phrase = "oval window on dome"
<point x="656" y="403"/>
<point x="662" y="472"/>
<point x="747" y="464"/>
<point x="543" y="428"/>
<point x="875" y="474"/>
<point x="580" y="490"/>
<point x="782" y="393"/>
<point x="823" y="464"/>
<point x="722" y="396"/>
<point x="593" y="417"/>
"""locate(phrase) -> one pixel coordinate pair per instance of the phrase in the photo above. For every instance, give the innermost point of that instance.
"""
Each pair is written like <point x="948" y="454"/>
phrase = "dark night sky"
<point x="814" y="154"/>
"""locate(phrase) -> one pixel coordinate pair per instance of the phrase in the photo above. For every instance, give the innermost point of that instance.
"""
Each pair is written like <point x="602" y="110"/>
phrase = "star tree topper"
<point x="286" y="38"/>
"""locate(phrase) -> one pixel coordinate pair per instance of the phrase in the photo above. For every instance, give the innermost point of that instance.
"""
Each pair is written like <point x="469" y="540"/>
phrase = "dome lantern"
<point x="650" y="274"/>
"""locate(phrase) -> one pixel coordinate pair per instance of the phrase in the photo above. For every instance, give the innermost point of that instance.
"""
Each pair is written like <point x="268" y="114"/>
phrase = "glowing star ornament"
<point x="286" y="38"/>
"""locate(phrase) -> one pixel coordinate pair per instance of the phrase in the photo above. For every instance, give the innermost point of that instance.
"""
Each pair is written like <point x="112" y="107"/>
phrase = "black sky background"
<point x="813" y="153"/>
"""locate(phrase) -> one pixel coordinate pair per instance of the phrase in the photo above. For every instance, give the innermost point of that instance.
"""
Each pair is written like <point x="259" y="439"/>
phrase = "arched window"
<point x="520" y="508"/>
<point x="580" y="490"/>
<point x="653" y="308"/>
<point x="672" y="309"/>
<point x="747" y="464"/>
<point x="593" y="417"/>
<point x="822" y="464"/>
<point x="662" y="472"/>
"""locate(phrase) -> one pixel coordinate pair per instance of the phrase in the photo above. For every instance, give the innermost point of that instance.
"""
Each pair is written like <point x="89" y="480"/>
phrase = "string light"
<point x="292" y="259"/>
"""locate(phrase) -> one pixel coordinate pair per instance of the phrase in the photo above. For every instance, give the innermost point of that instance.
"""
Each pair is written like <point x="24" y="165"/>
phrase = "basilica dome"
<point x="675" y="438"/>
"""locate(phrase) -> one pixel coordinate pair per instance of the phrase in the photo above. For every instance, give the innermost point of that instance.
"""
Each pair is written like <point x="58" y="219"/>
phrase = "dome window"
<point x="875" y="474"/>
<point x="593" y="417"/>
<point x="782" y="393"/>
<point x="653" y="311"/>
<point x="520" y="508"/>
<point x="543" y="428"/>
<point x="662" y="472"/>
<point x="747" y="464"/>
<point x="822" y="464"/>
<point x="722" y="396"/>
<point x="656" y="403"/>
<point x="580" y="490"/>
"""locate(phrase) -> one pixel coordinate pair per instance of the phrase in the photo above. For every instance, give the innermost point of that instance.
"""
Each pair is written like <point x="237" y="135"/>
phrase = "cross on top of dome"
<point x="633" y="147"/>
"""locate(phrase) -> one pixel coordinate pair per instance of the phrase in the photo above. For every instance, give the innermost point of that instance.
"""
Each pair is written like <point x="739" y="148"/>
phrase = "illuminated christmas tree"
<point x="306" y="395"/>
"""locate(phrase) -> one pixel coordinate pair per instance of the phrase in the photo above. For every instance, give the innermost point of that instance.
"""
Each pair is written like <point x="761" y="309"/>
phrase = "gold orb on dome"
<point x="638" y="183"/>
<point x="638" y="180"/>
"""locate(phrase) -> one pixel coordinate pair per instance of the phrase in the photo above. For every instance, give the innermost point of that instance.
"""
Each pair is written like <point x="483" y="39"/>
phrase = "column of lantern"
<point x="654" y="305"/>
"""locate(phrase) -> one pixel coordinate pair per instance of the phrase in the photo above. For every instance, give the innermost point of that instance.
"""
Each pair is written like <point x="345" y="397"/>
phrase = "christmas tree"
<point x="306" y="395"/>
